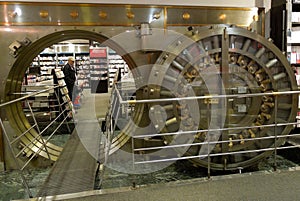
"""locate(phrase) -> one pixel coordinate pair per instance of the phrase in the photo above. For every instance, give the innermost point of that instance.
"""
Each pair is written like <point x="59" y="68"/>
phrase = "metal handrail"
<point x="110" y="129"/>
<point x="213" y="142"/>
<point x="27" y="96"/>
<point x="221" y="96"/>
<point x="22" y="134"/>
<point x="209" y="97"/>
<point x="24" y="182"/>
<point x="40" y="148"/>
<point x="213" y="129"/>
<point x="216" y="154"/>
<point x="39" y="136"/>
<point x="38" y="129"/>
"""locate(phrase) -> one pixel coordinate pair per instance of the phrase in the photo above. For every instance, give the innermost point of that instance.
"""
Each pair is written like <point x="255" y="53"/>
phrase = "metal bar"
<point x="117" y="116"/>
<point x="210" y="97"/>
<point x="25" y="97"/>
<point x="213" y="142"/>
<point x="37" y="127"/>
<point x="275" y="131"/>
<point x="218" y="154"/>
<point x="22" y="134"/>
<point x="28" y="145"/>
<point x="31" y="142"/>
<point x="208" y="122"/>
<point x="60" y="109"/>
<point x="109" y="127"/>
<point x="36" y="137"/>
<point x="2" y="149"/>
<point x="52" y="122"/>
<point x="209" y="161"/>
<point x="218" y="129"/>
<point x="116" y="119"/>
<point x="225" y="81"/>
<point x="283" y="31"/>
<point x="118" y="93"/>
<point x="59" y="125"/>
<point x="39" y="149"/>
<point x="24" y="182"/>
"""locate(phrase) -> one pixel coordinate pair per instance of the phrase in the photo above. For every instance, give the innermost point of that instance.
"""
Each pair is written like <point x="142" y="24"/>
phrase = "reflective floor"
<point x="11" y="183"/>
<point x="11" y="186"/>
<point x="182" y="170"/>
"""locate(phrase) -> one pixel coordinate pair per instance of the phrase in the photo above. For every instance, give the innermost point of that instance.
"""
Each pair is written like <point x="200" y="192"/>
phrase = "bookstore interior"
<point x="96" y="69"/>
<point x="92" y="62"/>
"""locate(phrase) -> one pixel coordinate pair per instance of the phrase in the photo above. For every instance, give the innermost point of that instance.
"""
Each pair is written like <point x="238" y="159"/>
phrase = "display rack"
<point x="293" y="41"/>
<point x="96" y="72"/>
<point x="99" y="70"/>
<point x="83" y="70"/>
<point x="42" y="105"/>
<point x="56" y="57"/>
<point x="64" y="99"/>
<point x="46" y="62"/>
<point x="116" y="63"/>
<point x="293" y="35"/>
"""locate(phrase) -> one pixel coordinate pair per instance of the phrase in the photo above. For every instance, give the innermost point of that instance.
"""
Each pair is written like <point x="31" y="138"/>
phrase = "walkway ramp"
<point x="75" y="169"/>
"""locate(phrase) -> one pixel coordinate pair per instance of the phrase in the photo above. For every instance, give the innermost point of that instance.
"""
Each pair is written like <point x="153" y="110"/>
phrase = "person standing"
<point x="70" y="75"/>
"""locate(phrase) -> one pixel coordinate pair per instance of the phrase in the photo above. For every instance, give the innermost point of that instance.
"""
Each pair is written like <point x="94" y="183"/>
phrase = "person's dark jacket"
<point x="70" y="75"/>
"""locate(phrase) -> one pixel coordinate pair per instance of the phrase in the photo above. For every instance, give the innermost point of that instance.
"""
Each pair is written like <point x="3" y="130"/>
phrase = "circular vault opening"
<point x="15" y="113"/>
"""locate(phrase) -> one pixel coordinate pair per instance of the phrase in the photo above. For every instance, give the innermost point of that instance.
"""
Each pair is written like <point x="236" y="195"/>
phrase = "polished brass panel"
<point x="123" y="15"/>
<point x="206" y="16"/>
<point x="75" y="14"/>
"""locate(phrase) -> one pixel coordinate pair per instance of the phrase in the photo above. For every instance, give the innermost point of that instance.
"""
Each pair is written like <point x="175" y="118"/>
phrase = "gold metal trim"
<point x="188" y="24"/>
<point x="65" y="24"/>
<point x="166" y="17"/>
<point x="44" y="13"/>
<point x="130" y="15"/>
<point x="124" y="5"/>
<point x="74" y="14"/>
<point x="186" y="16"/>
<point x="102" y="14"/>
<point x="222" y="17"/>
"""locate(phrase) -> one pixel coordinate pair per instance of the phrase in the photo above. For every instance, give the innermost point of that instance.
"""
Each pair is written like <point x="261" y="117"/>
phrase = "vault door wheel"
<point x="224" y="61"/>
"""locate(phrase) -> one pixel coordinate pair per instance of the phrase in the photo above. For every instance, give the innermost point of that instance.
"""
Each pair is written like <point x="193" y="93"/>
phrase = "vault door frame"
<point x="14" y="112"/>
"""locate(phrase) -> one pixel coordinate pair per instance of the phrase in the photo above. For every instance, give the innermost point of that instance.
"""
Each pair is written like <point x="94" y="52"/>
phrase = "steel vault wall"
<point x="35" y="20"/>
<point x="23" y="24"/>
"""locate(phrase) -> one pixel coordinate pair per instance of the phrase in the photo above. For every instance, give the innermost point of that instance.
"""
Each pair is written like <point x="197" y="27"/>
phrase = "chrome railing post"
<point x="61" y="109"/>
<point x="272" y="126"/>
<point x="37" y="127"/>
<point x="37" y="138"/>
<point x="275" y="132"/>
<point x="24" y="182"/>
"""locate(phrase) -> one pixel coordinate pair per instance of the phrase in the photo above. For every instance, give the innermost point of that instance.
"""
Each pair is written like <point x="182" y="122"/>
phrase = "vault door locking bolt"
<point x="16" y="46"/>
